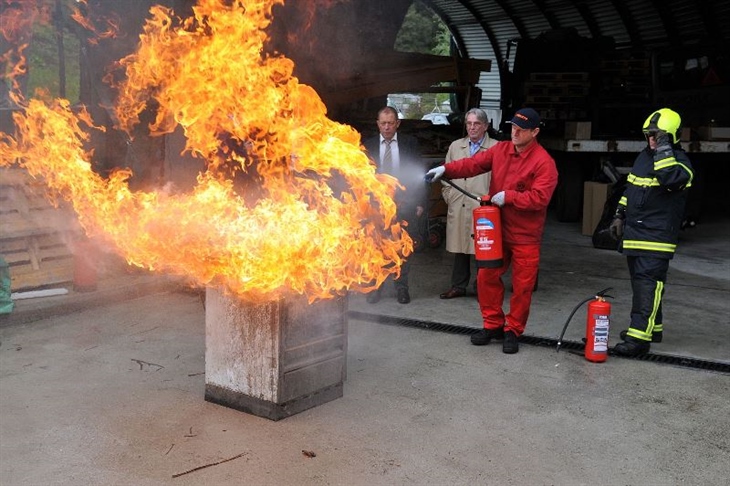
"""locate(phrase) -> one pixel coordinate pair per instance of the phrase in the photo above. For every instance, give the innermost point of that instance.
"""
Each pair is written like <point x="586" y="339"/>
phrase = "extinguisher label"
<point x="600" y="333"/>
<point x="483" y="226"/>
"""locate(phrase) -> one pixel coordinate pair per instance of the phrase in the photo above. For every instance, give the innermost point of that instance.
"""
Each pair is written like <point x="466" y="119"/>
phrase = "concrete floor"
<point x="107" y="388"/>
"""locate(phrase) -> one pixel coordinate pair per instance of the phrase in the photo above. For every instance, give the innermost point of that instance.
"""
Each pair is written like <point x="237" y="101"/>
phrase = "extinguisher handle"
<point x="603" y="293"/>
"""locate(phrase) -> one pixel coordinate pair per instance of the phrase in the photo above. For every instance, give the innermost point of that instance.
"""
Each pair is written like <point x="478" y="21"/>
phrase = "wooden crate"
<point x="34" y="235"/>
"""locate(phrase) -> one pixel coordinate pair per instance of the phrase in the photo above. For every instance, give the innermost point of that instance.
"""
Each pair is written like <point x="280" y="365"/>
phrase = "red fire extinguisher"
<point x="597" y="324"/>
<point x="598" y="320"/>
<point x="487" y="234"/>
<point x="487" y="226"/>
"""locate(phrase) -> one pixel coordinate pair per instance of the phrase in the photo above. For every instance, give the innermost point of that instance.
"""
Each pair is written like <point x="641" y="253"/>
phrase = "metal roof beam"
<point x="628" y="21"/>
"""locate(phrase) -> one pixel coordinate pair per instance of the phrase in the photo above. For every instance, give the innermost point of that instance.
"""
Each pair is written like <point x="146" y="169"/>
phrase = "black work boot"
<point x="484" y="336"/>
<point x="510" y="344"/>
<point x="632" y="347"/>
<point x="655" y="338"/>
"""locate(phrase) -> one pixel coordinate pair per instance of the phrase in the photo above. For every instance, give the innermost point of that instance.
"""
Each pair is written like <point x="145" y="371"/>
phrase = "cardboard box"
<point x="714" y="133"/>
<point x="577" y="130"/>
<point x="595" y="195"/>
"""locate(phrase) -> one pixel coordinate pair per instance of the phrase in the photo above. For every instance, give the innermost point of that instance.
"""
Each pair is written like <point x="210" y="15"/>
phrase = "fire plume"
<point x="288" y="202"/>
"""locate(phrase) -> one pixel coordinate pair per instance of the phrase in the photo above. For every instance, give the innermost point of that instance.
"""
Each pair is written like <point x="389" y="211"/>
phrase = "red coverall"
<point x="528" y="179"/>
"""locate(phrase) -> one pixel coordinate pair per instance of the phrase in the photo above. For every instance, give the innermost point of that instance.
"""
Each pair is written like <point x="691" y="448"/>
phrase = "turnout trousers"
<point x="525" y="260"/>
<point x="648" y="275"/>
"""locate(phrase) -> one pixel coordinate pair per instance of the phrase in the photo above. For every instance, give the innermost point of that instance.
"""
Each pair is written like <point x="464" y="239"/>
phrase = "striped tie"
<point x="387" y="162"/>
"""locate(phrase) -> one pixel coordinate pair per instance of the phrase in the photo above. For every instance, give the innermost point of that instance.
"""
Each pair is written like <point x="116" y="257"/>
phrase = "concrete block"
<point x="274" y="359"/>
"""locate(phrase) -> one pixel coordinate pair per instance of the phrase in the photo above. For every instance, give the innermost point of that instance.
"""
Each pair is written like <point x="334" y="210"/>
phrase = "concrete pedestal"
<point x="274" y="359"/>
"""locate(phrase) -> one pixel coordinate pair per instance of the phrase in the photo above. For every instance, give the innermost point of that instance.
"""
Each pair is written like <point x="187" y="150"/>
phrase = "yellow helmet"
<point x="666" y="120"/>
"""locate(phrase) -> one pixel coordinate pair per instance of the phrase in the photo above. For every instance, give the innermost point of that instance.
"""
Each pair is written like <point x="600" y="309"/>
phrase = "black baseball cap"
<point x="526" y="118"/>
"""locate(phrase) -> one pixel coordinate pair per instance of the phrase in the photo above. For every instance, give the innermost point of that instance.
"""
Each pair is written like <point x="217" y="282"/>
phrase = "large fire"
<point x="289" y="202"/>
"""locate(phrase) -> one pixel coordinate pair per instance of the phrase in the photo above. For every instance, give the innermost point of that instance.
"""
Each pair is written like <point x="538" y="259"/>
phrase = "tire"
<point x="434" y="238"/>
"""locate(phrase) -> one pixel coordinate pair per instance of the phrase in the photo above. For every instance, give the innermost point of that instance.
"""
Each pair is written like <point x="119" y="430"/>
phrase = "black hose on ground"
<point x="602" y="293"/>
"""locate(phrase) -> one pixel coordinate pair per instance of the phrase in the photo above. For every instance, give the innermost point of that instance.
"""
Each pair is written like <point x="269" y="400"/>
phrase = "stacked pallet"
<point x="558" y="95"/>
<point x="626" y="80"/>
<point x="34" y="235"/>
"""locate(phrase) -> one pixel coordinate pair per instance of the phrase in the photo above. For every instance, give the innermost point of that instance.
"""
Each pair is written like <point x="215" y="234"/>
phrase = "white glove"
<point x="498" y="199"/>
<point x="435" y="174"/>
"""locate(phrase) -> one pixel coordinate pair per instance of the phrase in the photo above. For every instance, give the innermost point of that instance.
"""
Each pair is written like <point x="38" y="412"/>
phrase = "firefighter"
<point x="647" y="222"/>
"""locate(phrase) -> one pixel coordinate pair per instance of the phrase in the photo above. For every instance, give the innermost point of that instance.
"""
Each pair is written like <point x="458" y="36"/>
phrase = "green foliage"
<point x="424" y="32"/>
<point x="43" y="59"/>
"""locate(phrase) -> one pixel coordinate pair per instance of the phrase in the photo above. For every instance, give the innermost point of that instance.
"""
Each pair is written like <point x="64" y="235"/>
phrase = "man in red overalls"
<point x="524" y="177"/>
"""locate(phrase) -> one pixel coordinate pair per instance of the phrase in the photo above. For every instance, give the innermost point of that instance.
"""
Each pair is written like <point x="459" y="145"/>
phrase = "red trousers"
<point x="524" y="260"/>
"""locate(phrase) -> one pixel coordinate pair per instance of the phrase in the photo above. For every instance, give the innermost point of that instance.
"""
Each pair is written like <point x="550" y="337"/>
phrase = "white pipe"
<point x="32" y="294"/>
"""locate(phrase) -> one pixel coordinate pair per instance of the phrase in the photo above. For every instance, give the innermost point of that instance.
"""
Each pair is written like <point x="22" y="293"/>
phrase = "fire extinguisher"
<point x="597" y="326"/>
<point x="487" y="234"/>
<point x="487" y="227"/>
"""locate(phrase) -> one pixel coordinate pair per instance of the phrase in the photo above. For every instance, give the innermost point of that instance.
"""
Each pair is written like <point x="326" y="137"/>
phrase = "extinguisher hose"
<point x="602" y="293"/>
<point x="467" y="194"/>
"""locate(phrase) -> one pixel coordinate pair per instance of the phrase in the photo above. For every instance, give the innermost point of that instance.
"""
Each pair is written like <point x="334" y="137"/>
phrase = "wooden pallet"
<point x="34" y="235"/>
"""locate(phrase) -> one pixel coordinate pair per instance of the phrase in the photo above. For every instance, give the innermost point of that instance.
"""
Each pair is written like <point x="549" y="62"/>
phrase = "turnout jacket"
<point x="653" y="203"/>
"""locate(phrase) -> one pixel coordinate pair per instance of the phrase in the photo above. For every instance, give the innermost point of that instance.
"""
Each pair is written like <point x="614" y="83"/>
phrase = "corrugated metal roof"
<point x="483" y="28"/>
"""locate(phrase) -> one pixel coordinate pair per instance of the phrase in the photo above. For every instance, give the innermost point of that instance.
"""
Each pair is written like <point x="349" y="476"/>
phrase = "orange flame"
<point x="322" y="221"/>
<point x="111" y="25"/>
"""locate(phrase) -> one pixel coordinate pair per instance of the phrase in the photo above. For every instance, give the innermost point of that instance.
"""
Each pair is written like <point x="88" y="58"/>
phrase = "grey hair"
<point x="480" y="114"/>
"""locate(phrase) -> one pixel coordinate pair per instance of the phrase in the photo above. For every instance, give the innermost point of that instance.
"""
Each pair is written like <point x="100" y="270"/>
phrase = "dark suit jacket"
<point x="411" y="171"/>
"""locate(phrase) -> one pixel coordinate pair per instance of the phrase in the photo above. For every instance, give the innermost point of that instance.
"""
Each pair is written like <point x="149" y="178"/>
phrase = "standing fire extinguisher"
<point x="487" y="234"/>
<point x="597" y="324"/>
<point x="598" y="320"/>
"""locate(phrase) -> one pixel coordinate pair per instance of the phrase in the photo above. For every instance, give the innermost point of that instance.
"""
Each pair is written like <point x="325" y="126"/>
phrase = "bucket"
<point x="84" y="270"/>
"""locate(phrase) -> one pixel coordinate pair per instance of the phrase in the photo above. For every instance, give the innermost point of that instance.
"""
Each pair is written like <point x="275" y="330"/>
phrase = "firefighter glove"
<point x="435" y="174"/>
<point x="617" y="227"/>
<point x="662" y="141"/>
<point x="498" y="199"/>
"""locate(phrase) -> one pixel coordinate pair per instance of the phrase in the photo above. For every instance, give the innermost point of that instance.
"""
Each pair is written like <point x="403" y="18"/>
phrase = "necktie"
<point x="387" y="162"/>
<point x="473" y="148"/>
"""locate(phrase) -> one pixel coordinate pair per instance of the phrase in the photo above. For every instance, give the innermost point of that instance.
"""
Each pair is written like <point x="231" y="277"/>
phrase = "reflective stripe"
<point x="638" y="334"/>
<point x="655" y="308"/>
<point x="643" y="181"/>
<point x="623" y="201"/>
<point x="649" y="246"/>
<point x="664" y="163"/>
<point x="651" y="326"/>
<point x="658" y="328"/>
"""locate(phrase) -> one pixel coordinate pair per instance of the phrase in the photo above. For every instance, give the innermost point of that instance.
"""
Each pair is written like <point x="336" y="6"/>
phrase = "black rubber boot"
<point x="632" y="347"/>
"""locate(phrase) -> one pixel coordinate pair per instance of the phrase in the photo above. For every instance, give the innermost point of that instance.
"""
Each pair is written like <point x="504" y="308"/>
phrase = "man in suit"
<point x="400" y="156"/>
<point x="459" y="217"/>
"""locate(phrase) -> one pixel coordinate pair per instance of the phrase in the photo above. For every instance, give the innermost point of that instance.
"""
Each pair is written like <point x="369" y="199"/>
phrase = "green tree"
<point x="423" y="31"/>
<point x="53" y="54"/>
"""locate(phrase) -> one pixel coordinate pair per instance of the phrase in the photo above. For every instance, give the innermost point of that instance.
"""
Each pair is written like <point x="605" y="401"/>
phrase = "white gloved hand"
<point x="498" y="199"/>
<point x="435" y="174"/>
